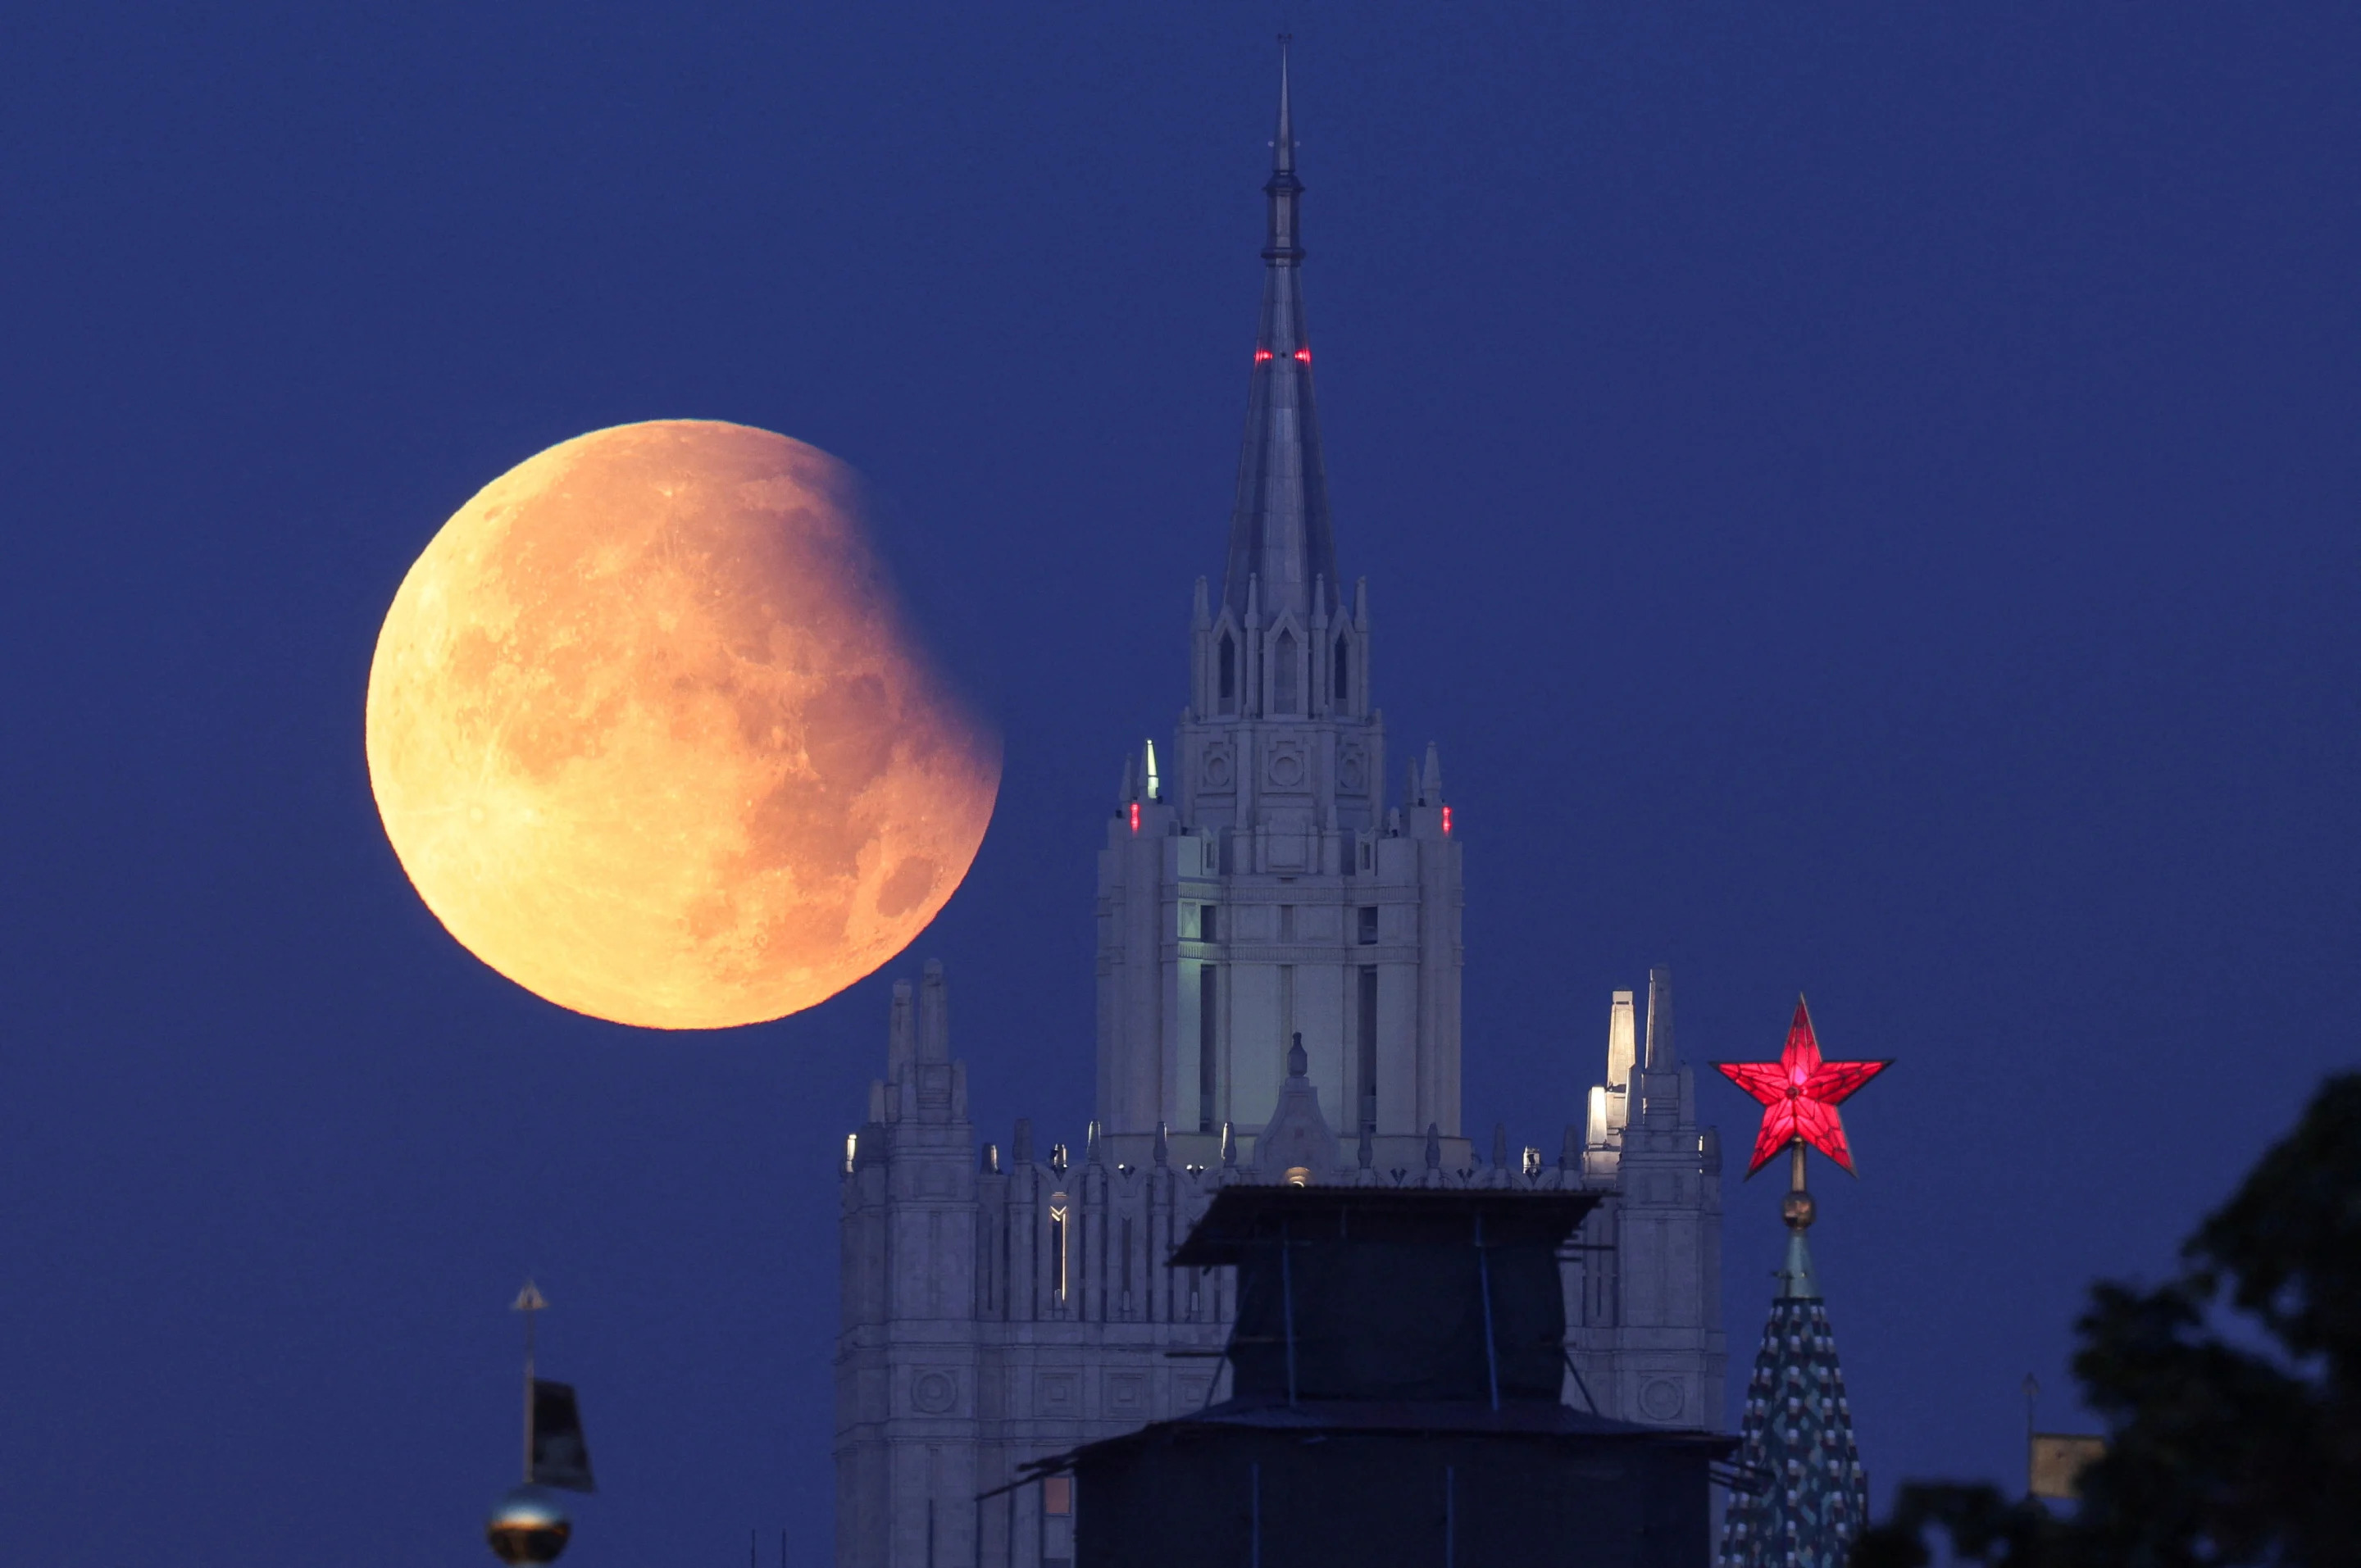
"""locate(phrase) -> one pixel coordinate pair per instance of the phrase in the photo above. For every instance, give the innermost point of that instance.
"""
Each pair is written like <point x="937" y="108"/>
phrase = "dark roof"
<point x="1521" y="1416"/>
<point x="1524" y="1419"/>
<point x="1243" y="1220"/>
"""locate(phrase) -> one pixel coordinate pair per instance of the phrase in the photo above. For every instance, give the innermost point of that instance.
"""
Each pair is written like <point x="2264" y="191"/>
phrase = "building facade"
<point x="1279" y="1000"/>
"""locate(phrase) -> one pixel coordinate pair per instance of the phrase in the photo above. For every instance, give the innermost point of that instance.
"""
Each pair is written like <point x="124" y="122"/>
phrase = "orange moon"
<point x="652" y="735"/>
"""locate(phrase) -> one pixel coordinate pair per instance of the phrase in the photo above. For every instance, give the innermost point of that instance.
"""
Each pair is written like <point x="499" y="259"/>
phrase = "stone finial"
<point x="989" y="1165"/>
<point x="1361" y="604"/>
<point x="1021" y="1146"/>
<point x="1130" y="780"/>
<point x="1319" y="601"/>
<point x="1430" y="779"/>
<point x="1201" y="615"/>
<point x="901" y="1032"/>
<point x="1163" y="1142"/>
<point x="1299" y="1064"/>
<point x="934" y="1015"/>
<point x="1229" y="1147"/>
<point x="1433" y="1146"/>
<point x="1500" y="1144"/>
<point x="1661" y="1055"/>
<point x="1058" y="1159"/>
<point x="1622" y="1041"/>
<point x="1091" y="1154"/>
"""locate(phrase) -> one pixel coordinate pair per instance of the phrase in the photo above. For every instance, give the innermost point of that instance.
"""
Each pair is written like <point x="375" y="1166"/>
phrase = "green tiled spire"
<point x="1796" y="1442"/>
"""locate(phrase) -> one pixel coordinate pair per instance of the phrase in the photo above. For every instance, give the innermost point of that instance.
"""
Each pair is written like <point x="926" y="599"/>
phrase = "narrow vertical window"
<point x="1368" y="1044"/>
<point x="1368" y="919"/>
<point x="1286" y="692"/>
<point x="1208" y="1013"/>
<point x="1127" y="1266"/>
<point x="1058" y="1247"/>
<point x="1344" y="663"/>
<point x="1229" y="674"/>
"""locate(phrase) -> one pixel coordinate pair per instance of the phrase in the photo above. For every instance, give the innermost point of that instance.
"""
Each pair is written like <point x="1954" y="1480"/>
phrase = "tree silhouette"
<point x="2223" y="1448"/>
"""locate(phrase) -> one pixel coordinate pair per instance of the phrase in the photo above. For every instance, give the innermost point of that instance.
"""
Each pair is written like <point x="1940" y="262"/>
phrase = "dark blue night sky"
<point x="1866" y="498"/>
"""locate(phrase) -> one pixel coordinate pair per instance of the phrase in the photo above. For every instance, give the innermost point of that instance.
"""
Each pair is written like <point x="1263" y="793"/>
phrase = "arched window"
<point x="1229" y="674"/>
<point x="1343" y="665"/>
<point x="1286" y="692"/>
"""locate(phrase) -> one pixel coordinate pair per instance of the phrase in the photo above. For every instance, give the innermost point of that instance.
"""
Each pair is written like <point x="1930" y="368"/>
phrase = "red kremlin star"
<point x="1800" y="1094"/>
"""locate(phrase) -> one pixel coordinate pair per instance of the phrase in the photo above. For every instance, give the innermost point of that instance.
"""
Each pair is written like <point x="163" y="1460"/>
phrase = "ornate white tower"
<point x="1278" y="976"/>
<point x="1263" y="888"/>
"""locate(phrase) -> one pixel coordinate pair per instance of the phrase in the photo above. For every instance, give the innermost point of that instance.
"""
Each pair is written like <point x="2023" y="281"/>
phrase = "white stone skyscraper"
<point x="1279" y="999"/>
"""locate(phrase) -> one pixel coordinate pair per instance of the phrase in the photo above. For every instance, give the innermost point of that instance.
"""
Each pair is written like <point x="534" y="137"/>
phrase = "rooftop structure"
<point x="1396" y="1357"/>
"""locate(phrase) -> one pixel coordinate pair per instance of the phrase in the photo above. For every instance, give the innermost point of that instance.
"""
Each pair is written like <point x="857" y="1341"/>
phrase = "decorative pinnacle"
<point x="1284" y="248"/>
<point x="1283" y="146"/>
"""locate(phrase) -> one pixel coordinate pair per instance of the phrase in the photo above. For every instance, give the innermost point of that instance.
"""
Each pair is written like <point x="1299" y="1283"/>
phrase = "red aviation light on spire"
<point x="1446" y="822"/>
<point x="1800" y="1094"/>
<point x="1261" y="354"/>
<point x="1134" y="816"/>
<point x="1303" y="355"/>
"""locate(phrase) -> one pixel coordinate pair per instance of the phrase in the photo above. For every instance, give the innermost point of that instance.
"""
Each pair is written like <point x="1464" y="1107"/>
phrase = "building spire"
<point x="1279" y="525"/>
<point x="1798" y="1428"/>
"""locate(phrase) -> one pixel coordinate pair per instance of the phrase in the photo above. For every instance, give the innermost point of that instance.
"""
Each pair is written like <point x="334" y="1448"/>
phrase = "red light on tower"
<point x="1261" y="354"/>
<point x="1303" y="355"/>
<point x="1134" y="816"/>
<point x="1446" y="822"/>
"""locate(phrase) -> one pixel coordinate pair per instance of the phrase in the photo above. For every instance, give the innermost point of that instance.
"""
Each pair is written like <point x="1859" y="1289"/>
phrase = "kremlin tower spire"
<point x="1810" y="1500"/>
<point x="1280" y="535"/>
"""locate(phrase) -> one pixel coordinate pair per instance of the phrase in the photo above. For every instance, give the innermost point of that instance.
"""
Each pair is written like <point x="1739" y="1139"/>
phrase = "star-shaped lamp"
<point x="1800" y="1094"/>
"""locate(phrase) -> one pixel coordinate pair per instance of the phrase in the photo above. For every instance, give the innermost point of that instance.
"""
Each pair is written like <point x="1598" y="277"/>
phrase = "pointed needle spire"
<point x="528" y="1302"/>
<point x="1282" y="144"/>
<point x="1279" y="529"/>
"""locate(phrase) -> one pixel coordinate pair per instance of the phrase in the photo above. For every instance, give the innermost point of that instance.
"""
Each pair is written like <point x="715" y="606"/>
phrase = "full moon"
<point x="653" y="736"/>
